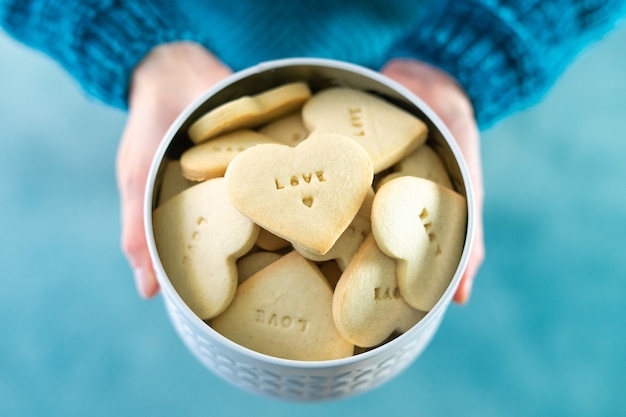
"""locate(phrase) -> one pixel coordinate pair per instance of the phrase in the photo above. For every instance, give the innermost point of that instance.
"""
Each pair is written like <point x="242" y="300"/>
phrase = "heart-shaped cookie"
<point x="307" y="195"/>
<point x="252" y="263"/>
<point x="250" y="111"/>
<point x="288" y="130"/>
<point x="173" y="181"/>
<point x="210" y="159"/>
<point x="199" y="236"/>
<point x="387" y="132"/>
<point x="285" y="310"/>
<point x="270" y="242"/>
<point x="349" y="242"/>
<point x="422" y="225"/>
<point x="423" y="163"/>
<point x="367" y="304"/>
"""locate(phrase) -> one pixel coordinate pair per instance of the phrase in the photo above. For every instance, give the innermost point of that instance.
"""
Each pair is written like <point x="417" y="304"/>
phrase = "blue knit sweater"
<point x="505" y="53"/>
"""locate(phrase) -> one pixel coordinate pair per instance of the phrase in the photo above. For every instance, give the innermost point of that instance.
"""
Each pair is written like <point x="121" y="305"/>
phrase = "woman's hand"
<point x="445" y="96"/>
<point x="168" y="79"/>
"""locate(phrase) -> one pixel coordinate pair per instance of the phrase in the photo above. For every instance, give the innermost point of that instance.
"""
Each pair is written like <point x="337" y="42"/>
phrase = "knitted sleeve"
<point x="98" y="42"/>
<point x="507" y="53"/>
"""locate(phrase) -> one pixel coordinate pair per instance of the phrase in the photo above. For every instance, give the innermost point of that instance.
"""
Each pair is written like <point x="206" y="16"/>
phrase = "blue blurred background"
<point x="544" y="333"/>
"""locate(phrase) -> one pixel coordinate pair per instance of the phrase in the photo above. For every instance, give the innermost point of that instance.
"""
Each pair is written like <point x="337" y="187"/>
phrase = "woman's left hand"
<point x="446" y="97"/>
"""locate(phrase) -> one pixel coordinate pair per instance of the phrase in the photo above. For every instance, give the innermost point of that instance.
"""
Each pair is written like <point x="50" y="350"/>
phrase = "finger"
<point x="132" y="167"/>
<point x="477" y="255"/>
<point x="135" y="247"/>
<point x="441" y="92"/>
<point x="169" y="78"/>
<point x="467" y="137"/>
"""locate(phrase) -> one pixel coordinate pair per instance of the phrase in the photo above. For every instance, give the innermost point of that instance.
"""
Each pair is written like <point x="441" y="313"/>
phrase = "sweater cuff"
<point x="504" y="57"/>
<point x="99" y="42"/>
<point x="117" y="39"/>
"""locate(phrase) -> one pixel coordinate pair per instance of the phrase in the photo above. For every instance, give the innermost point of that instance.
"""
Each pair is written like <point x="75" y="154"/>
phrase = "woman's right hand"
<point x="164" y="83"/>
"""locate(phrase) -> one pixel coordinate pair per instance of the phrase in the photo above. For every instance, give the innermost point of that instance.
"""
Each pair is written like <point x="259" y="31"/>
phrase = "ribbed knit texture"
<point x="98" y="42"/>
<point x="244" y="33"/>
<point x="505" y="53"/>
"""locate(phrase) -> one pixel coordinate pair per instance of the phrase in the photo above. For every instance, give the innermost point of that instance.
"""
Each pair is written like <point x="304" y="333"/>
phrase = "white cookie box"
<point x="289" y="379"/>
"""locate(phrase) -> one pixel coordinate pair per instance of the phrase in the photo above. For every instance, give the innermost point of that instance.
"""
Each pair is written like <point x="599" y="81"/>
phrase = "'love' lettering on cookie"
<point x="387" y="132"/>
<point x="356" y="120"/>
<point x="367" y="303"/>
<point x="201" y="268"/>
<point x="428" y="226"/>
<point x="286" y="322"/>
<point x="294" y="180"/>
<point x="387" y="293"/>
<point x="284" y="310"/>
<point x="307" y="195"/>
<point x="421" y="224"/>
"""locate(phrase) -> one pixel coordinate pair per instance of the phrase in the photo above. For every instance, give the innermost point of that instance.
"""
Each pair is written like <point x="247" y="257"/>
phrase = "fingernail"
<point x="141" y="281"/>
<point x="467" y="290"/>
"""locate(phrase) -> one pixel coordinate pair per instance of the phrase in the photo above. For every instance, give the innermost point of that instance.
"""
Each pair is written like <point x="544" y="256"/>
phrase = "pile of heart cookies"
<point x="309" y="225"/>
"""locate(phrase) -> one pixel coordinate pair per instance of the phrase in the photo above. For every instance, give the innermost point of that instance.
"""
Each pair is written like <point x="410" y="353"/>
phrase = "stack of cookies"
<point x="309" y="225"/>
